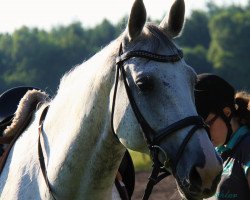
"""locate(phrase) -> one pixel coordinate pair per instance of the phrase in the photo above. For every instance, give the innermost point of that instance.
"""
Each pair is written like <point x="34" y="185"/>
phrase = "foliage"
<point x="215" y="40"/>
<point x="142" y="162"/>
<point x="196" y="30"/>
<point x="197" y="58"/>
<point x="230" y="44"/>
<point x="36" y="57"/>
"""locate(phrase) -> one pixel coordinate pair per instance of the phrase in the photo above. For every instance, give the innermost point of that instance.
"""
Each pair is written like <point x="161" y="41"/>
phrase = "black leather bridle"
<point x="152" y="137"/>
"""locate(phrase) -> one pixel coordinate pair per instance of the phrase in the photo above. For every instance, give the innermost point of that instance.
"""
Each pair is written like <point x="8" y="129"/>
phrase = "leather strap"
<point x="40" y="151"/>
<point x="177" y="126"/>
<point x="152" y="137"/>
<point x="151" y="56"/>
<point x="122" y="190"/>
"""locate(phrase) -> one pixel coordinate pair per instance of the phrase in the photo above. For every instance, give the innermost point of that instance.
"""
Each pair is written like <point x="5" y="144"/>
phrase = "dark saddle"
<point x="9" y="102"/>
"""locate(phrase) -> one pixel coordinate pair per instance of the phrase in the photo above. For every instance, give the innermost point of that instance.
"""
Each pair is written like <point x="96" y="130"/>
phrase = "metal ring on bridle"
<point x="167" y="159"/>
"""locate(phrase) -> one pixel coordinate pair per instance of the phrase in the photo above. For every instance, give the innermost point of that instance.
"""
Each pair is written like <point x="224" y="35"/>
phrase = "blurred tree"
<point x="197" y="58"/>
<point x="195" y="31"/>
<point x="101" y="35"/>
<point x="68" y="47"/>
<point x="6" y="62"/>
<point x="196" y="39"/>
<point x="121" y="25"/>
<point x="21" y="47"/>
<point x="230" y="45"/>
<point x="30" y="56"/>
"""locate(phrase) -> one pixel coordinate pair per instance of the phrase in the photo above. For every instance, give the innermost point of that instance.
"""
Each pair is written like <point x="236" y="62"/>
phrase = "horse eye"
<point x="145" y="83"/>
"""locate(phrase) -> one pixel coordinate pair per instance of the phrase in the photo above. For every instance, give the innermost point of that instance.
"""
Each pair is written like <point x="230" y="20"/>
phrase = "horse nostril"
<point x="195" y="180"/>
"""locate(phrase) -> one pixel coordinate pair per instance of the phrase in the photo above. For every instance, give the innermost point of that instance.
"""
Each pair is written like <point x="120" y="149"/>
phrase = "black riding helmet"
<point x="9" y="101"/>
<point x="213" y="94"/>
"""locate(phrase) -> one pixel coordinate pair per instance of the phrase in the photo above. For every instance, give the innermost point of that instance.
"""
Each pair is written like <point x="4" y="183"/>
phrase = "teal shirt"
<point x="242" y="131"/>
<point x="236" y="164"/>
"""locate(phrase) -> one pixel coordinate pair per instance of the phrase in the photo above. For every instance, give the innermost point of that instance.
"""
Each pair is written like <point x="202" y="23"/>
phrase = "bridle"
<point x="152" y="137"/>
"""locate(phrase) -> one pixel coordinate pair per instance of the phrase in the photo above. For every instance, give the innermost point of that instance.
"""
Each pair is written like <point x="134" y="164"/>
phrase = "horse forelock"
<point x="151" y="39"/>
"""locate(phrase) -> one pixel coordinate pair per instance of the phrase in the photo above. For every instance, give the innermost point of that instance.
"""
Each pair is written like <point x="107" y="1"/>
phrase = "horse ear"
<point x="137" y="19"/>
<point x="174" y="22"/>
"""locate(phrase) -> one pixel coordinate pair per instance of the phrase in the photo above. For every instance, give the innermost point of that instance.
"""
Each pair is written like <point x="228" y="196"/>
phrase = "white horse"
<point x="79" y="136"/>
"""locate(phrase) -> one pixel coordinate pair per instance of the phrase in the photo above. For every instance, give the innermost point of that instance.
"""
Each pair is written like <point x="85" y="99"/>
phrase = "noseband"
<point x="152" y="137"/>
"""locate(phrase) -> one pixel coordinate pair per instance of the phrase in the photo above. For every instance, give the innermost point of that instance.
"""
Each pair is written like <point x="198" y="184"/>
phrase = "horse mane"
<point x="106" y="56"/>
<point x="25" y="106"/>
<point x="84" y="79"/>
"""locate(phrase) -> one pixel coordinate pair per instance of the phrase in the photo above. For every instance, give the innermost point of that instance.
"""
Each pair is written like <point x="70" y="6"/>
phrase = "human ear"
<point x="227" y="111"/>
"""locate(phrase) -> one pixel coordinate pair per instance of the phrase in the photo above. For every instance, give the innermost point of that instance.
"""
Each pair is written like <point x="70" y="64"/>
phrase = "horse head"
<point x="156" y="111"/>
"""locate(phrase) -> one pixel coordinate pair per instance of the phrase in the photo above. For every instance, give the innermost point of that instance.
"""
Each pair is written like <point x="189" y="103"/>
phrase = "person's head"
<point x="217" y="103"/>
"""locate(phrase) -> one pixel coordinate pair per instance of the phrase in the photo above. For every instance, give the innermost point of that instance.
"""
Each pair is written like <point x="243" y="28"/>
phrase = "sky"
<point x="45" y="14"/>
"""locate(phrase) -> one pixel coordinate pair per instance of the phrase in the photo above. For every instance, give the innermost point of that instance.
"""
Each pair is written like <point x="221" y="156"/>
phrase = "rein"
<point x="120" y="187"/>
<point x="40" y="151"/>
<point x="151" y="136"/>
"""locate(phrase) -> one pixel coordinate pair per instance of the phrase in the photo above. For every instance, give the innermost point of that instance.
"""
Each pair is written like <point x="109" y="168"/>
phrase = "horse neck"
<point x="82" y="152"/>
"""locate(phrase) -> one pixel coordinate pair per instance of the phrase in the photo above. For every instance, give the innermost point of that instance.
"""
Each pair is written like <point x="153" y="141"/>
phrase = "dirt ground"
<point x="165" y="190"/>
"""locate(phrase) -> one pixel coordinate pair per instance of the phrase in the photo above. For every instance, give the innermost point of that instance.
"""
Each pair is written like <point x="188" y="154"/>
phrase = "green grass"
<point x="142" y="162"/>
